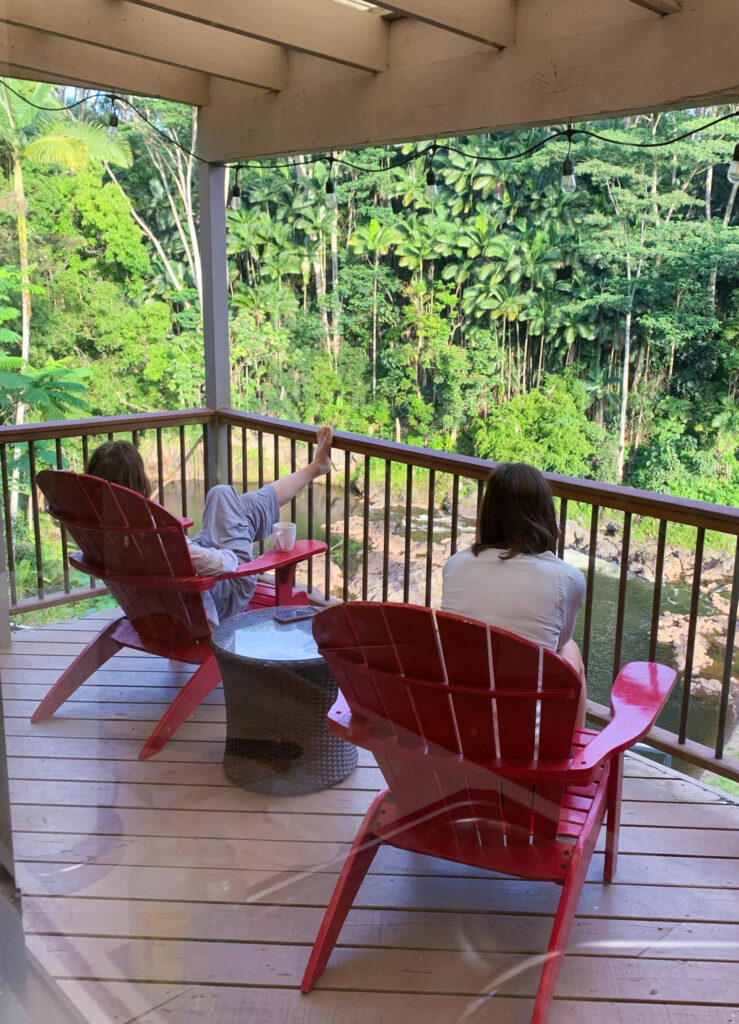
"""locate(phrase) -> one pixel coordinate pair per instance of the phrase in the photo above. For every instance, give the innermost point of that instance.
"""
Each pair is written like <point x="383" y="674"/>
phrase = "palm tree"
<point x="374" y="240"/>
<point x="33" y="128"/>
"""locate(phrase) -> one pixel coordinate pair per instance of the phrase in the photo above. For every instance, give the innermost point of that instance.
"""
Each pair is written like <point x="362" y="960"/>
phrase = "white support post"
<point x="212" y="182"/>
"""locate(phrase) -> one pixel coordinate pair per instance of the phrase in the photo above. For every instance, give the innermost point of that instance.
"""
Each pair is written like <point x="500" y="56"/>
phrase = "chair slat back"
<point x="442" y="684"/>
<point x="120" y="531"/>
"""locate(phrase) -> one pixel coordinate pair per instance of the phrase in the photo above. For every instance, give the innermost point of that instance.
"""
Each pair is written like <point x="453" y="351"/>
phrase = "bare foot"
<point x="322" y="458"/>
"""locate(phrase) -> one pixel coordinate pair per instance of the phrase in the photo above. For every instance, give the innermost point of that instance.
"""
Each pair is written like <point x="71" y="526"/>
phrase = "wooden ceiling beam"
<point x="128" y="28"/>
<point x="492" y="22"/>
<point x="46" y="56"/>
<point x="318" y="27"/>
<point x="660" y="6"/>
<point x="645" y="64"/>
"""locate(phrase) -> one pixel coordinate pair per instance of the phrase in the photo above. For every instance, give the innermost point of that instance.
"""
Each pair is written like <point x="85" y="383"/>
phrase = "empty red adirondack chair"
<point x="139" y="550"/>
<point x="474" y="731"/>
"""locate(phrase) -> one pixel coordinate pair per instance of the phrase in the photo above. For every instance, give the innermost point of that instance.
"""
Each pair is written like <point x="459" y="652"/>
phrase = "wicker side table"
<point x="278" y="692"/>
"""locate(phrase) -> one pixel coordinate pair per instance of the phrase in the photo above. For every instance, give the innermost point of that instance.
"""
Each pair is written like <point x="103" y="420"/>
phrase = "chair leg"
<point x="361" y="855"/>
<point x="566" y="909"/>
<point x="97" y="652"/>
<point x="195" y="690"/>
<point x="613" y="824"/>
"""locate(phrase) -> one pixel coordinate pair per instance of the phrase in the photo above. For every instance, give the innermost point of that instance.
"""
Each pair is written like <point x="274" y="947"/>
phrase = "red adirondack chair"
<point x="474" y="731"/>
<point x="139" y="550"/>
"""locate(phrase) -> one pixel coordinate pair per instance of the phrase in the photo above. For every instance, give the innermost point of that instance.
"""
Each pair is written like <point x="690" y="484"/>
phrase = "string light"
<point x="432" y="189"/>
<point x="235" y="196"/>
<point x="569" y="182"/>
<point x="733" y="172"/>
<point x="330" y="199"/>
<point x="113" y="118"/>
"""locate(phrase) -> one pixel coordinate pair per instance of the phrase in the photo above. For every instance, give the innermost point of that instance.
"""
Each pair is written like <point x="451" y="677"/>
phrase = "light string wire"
<point x="569" y="133"/>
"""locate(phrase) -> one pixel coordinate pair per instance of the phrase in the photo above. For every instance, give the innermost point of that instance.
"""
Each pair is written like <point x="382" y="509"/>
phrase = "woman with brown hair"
<point x="511" y="577"/>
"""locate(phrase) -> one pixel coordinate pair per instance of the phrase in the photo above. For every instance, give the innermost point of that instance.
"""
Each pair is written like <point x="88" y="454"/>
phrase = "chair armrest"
<point x="639" y="692"/>
<point x="275" y="559"/>
<point x="185" y="521"/>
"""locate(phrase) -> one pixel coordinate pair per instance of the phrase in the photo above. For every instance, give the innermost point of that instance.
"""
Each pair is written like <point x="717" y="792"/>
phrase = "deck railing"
<point x="259" y="448"/>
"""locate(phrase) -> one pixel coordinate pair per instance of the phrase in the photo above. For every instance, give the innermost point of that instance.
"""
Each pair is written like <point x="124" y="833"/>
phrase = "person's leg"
<point x="571" y="654"/>
<point x="288" y="486"/>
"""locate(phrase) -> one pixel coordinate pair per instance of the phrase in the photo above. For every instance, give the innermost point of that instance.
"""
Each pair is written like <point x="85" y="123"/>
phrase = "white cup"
<point x="284" y="536"/>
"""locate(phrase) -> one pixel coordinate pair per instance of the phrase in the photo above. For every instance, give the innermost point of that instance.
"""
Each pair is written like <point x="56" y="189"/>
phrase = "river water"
<point x="703" y="713"/>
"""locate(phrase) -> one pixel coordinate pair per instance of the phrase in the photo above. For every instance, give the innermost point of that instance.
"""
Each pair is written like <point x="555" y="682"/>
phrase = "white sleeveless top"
<point x="534" y="596"/>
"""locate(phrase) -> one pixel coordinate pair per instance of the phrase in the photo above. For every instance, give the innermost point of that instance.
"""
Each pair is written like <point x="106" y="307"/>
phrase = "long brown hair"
<point x="119" y="462"/>
<point x="517" y="512"/>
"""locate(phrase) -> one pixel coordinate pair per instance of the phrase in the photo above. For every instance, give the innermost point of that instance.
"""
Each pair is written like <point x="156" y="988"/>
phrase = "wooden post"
<point x="212" y="182"/>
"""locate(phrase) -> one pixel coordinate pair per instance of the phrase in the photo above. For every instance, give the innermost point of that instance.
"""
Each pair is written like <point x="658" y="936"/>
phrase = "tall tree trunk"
<point x="22" y="230"/>
<point x="374" y="331"/>
<point x="714" y="271"/>
<point x="624" y="396"/>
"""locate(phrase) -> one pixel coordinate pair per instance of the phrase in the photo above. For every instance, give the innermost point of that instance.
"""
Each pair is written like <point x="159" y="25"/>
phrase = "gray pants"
<point x="234" y="521"/>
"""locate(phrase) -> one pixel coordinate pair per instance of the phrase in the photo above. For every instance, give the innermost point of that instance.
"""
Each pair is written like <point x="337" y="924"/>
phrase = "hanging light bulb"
<point x="733" y="172"/>
<point x="331" y="202"/>
<point x="432" y="189"/>
<point x="330" y="196"/>
<point x="235" y="200"/>
<point x="569" y="184"/>
<point x="113" y="119"/>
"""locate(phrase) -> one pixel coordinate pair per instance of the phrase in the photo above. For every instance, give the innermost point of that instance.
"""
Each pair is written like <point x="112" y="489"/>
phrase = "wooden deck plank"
<point x="388" y="928"/>
<point x="397" y="970"/>
<point x="485" y="895"/>
<point x="201" y="1004"/>
<point x="201" y="853"/>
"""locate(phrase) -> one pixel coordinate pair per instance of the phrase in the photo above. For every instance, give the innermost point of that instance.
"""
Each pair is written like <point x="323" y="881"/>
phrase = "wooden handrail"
<point x="724" y="518"/>
<point x="102" y="425"/>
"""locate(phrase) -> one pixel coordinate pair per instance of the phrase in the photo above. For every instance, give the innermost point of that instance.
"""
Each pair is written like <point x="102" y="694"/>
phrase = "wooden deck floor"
<point x="157" y="891"/>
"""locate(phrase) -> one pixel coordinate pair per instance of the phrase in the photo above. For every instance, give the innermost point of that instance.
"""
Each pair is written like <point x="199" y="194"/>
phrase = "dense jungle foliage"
<point x="593" y="334"/>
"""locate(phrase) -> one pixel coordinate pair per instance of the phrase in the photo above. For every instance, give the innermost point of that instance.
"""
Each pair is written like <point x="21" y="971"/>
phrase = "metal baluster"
<point x="206" y="460"/>
<point x="260" y="453"/>
<point x="183" y="472"/>
<point x="365" y="528"/>
<point x="657" y="593"/>
<point x="723" y="710"/>
<point x="692" y="624"/>
<point x="110" y="435"/>
<point x="621" y="608"/>
<point x="455" y="513"/>
<point x="244" y="462"/>
<point x="135" y="438"/>
<point x="590" y="585"/>
<point x="36" y="522"/>
<point x="293" y="468"/>
<point x="160" y="466"/>
<point x="9" y="547"/>
<point x="562" y="528"/>
<point x="62" y="527"/>
<point x="386" y="532"/>
<point x="230" y="454"/>
<point x="85" y="452"/>
<point x="408" y="517"/>
<point x="327" y="573"/>
<point x="276" y="442"/>
<point x="310" y="520"/>
<point x="430" y="538"/>
<point x="480" y="492"/>
<point x="345" y="567"/>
